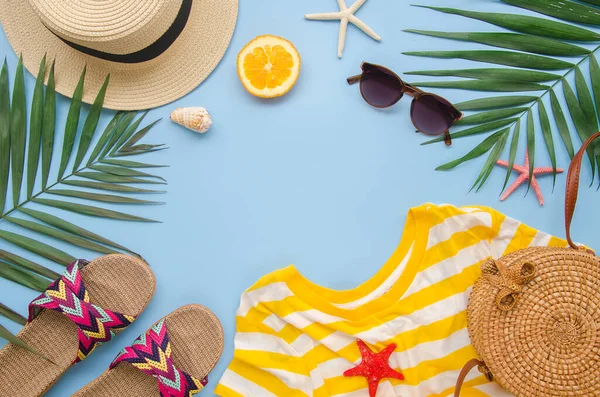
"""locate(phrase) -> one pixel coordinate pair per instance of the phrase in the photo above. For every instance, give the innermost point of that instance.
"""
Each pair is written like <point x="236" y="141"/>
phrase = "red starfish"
<point x="524" y="177"/>
<point x="374" y="366"/>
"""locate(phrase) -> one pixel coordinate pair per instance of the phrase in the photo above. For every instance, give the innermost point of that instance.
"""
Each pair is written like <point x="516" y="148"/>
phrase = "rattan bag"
<point x="534" y="316"/>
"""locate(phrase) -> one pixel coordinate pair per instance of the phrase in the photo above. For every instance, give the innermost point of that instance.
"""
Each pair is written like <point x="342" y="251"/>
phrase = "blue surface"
<point x="317" y="178"/>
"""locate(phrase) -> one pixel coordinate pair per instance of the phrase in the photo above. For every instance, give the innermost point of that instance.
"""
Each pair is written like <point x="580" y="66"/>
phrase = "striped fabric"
<point x="295" y="338"/>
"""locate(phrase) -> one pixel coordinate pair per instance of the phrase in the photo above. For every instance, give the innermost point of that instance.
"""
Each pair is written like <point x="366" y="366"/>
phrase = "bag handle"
<point x="465" y="371"/>
<point x="572" y="190"/>
<point x="573" y="187"/>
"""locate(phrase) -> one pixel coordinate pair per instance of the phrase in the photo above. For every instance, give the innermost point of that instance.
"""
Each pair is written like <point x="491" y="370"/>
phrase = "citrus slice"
<point x="268" y="66"/>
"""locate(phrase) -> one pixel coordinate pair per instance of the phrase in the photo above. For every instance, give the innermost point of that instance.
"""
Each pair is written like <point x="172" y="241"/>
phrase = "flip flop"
<point x="172" y="359"/>
<point x="83" y="309"/>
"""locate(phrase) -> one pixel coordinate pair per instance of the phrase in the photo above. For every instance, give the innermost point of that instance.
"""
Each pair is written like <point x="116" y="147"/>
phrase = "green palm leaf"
<point x="122" y="171"/>
<point x="90" y="124"/>
<point x="12" y="315"/>
<point x="586" y="101"/>
<point x="561" y="122"/>
<point x="501" y="74"/>
<point x="495" y="102"/>
<point x="26" y="279"/>
<point x="579" y="119"/>
<point x="117" y="138"/>
<point x="60" y="235"/>
<point x="108" y="132"/>
<point x="508" y="58"/>
<point x="479" y="150"/>
<point x="478" y="129"/>
<point x="490" y="115"/>
<point x="492" y="158"/>
<point x="119" y="131"/>
<point x="26" y="264"/>
<point x="511" y="41"/>
<point x="37" y="247"/>
<point x="72" y="228"/>
<point x="4" y="134"/>
<point x="530" y="143"/>
<point x="527" y="24"/>
<point x="514" y="144"/>
<point x="35" y="127"/>
<point x="131" y="164"/>
<point x="537" y="45"/>
<point x="139" y="149"/>
<point x="105" y="177"/>
<point x="128" y="133"/>
<point x="139" y="135"/>
<point x="115" y="187"/>
<point x="18" y="132"/>
<point x="561" y="9"/>
<point x="484" y="85"/>
<point x="48" y="126"/>
<point x="107" y="198"/>
<point x="90" y="210"/>
<point x="595" y="77"/>
<point x="71" y="125"/>
<point x="547" y="134"/>
<point x="6" y="334"/>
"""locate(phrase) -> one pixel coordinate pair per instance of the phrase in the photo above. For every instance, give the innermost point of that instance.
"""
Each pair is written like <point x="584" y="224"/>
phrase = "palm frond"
<point x="87" y="179"/>
<point x="532" y="51"/>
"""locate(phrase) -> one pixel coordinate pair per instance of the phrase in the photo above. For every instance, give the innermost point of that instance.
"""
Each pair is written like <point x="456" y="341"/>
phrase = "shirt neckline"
<point x="411" y="247"/>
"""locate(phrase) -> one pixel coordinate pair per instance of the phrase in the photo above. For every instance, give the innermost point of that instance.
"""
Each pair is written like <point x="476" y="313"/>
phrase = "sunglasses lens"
<point x="380" y="88"/>
<point x="432" y="115"/>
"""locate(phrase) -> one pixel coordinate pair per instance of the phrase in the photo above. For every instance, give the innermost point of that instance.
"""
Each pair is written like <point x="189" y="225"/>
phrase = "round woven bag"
<point x="534" y="316"/>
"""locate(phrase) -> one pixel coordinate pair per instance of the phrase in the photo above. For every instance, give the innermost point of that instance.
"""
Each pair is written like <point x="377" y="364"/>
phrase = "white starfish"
<point x="345" y="15"/>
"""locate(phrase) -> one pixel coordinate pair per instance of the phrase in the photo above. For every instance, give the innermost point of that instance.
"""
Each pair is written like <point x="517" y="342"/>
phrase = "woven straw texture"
<point x="105" y="25"/>
<point x="197" y="343"/>
<point x="548" y="343"/>
<point x="117" y="282"/>
<point x="180" y="69"/>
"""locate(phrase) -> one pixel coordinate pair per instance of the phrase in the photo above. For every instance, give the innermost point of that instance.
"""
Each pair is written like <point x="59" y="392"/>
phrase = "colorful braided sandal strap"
<point x="151" y="353"/>
<point x="68" y="296"/>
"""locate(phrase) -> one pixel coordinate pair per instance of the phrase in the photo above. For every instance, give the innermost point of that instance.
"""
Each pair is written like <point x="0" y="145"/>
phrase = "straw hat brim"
<point x="173" y="74"/>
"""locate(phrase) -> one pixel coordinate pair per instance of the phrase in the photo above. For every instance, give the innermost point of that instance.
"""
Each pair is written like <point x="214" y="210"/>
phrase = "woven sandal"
<point x="172" y="359"/>
<point x="83" y="309"/>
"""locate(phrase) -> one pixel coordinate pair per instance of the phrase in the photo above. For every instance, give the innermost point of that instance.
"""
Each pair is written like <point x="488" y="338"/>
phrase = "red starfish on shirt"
<point x="374" y="366"/>
<point x="524" y="177"/>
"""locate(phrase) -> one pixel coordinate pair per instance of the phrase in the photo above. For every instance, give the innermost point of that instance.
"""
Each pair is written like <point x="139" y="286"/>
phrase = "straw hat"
<point x="156" y="51"/>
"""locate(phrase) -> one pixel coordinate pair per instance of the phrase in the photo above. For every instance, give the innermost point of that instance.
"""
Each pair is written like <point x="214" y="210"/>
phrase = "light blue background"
<point x="317" y="178"/>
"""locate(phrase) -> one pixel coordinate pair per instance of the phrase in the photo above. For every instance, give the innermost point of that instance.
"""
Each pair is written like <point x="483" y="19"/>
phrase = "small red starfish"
<point x="524" y="177"/>
<point x="374" y="366"/>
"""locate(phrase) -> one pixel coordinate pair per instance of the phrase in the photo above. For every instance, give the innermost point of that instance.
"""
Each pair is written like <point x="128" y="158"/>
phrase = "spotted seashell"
<point x="195" y="118"/>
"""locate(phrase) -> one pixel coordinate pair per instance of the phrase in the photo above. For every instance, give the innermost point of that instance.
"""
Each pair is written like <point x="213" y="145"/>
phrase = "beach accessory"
<point x="345" y="15"/>
<point x="523" y="170"/>
<point x="268" y="66"/>
<point x="533" y="315"/>
<point x="83" y="309"/>
<point x="154" y="51"/>
<point x="196" y="119"/>
<point x="374" y="366"/>
<point x="177" y="353"/>
<point x="430" y="114"/>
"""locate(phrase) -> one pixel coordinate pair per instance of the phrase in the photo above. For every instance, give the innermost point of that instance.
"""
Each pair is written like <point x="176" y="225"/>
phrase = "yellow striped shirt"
<point x="296" y="338"/>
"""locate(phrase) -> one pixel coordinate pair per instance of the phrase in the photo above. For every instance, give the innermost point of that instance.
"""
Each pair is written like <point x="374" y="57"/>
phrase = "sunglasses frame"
<point x="408" y="89"/>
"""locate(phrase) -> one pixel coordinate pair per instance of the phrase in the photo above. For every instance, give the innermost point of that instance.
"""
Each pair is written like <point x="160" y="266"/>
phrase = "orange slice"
<point x="268" y="66"/>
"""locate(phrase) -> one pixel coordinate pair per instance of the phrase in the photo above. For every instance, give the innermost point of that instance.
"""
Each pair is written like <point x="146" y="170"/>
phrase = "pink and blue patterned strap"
<point x="151" y="353"/>
<point x="68" y="296"/>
